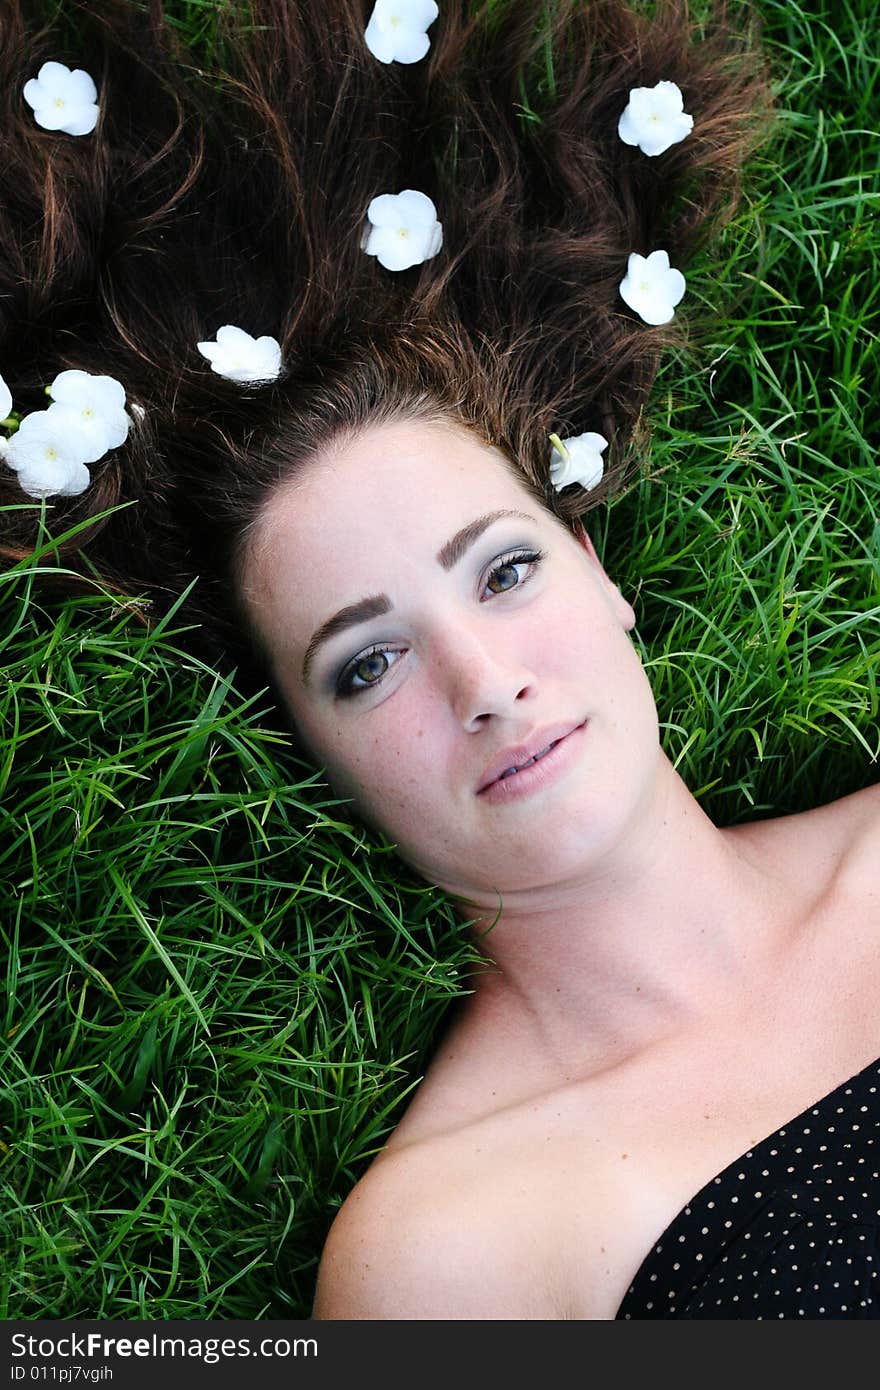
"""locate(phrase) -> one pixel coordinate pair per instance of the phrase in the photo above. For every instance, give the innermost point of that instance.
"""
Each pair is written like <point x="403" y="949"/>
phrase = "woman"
<point x="546" y="1151"/>
<point x="625" y="938"/>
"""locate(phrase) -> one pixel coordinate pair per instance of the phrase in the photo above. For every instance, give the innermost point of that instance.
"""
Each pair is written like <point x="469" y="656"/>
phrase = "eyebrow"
<point x="376" y="604"/>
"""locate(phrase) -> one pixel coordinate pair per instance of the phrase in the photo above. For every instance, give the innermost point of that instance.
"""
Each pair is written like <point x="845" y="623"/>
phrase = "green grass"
<point x="218" y="995"/>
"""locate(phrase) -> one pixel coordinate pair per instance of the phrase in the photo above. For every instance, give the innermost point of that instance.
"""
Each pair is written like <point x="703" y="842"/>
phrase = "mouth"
<point x="526" y="772"/>
<point x="512" y="771"/>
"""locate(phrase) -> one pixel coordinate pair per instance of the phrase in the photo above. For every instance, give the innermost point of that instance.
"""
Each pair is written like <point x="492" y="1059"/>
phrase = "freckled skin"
<point x="481" y="669"/>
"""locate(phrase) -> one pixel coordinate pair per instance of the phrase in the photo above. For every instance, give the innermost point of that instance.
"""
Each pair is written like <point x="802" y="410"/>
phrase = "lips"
<point x="524" y="753"/>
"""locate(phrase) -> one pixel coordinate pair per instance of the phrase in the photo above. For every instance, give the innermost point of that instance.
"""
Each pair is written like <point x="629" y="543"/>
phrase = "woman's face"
<point x="482" y="650"/>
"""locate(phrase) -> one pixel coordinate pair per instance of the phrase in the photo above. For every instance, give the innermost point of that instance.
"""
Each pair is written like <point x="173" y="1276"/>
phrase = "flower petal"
<point x="5" y="399"/>
<point x="379" y="42"/>
<point x="675" y="286"/>
<point x="81" y="120"/>
<point x="41" y="438"/>
<point x="669" y="96"/>
<point x="89" y="435"/>
<point x="34" y="93"/>
<point x="77" y="481"/>
<point x="267" y="358"/>
<point x="628" y="127"/>
<point x="591" y="471"/>
<point x="54" y="477"/>
<point x="49" y="478"/>
<point x="81" y="88"/>
<point x="561" y="471"/>
<point x="653" y="307"/>
<point x="411" y="46"/>
<point x="385" y="210"/>
<point x="423" y="12"/>
<point x="417" y="207"/>
<point x="591" y="440"/>
<point x="52" y="117"/>
<point x="654" y="140"/>
<point x="395" y="252"/>
<point x="230" y="336"/>
<point x="657" y="260"/>
<point x="53" y="75"/>
<point x="72" y="386"/>
<point x="416" y="14"/>
<point x="435" y="242"/>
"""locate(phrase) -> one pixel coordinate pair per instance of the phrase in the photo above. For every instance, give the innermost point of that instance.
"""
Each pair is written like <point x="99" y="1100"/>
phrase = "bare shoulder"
<point x="834" y="844"/>
<point x="408" y="1243"/>
<point x="853" y="822"/>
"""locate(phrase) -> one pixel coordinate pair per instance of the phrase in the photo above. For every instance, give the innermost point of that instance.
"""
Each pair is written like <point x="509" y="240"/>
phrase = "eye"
<point x="372" y="659"/>
<point x="372" y="662"/>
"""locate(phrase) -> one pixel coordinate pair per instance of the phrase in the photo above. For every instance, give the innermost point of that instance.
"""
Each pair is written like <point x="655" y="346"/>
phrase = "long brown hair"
<point x="238" y="194"/>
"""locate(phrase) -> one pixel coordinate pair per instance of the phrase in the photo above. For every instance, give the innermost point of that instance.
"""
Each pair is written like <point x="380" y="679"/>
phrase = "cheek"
<point x="321" y="744"/>
<point x="374" y="761"/>
<point x="572" y="643"/>
<point x="394" y="763"/>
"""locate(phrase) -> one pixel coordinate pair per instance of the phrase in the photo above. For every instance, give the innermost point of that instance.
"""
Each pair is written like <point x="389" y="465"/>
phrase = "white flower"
<point x="94" y="407"/>
<point x="577" y="460"/>
<point x="49" y="479"/>
<point x="5" y="399"/>
<point x="655" y="118"/>
<point x="403" y="230"/>
<point x="63" y="99"/>
<point x="396" y="29"/>
<point x="651" y="287"/>
<point x="239" y="357"/>
<point x="44" y="451"/>
<point x="50" y="449"/>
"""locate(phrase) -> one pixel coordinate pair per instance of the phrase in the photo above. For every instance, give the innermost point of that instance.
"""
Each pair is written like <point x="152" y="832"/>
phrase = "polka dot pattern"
<point x="791" y="1229"/>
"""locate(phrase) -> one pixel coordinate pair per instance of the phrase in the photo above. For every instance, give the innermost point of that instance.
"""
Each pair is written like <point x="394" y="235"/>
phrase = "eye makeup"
<point x="343" y="685"/>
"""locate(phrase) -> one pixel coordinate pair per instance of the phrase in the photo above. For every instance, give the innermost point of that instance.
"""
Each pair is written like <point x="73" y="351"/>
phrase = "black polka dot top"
<point x="789" y="1230"/>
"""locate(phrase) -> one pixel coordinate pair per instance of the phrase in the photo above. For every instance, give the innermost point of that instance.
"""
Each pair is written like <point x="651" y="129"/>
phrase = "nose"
<point x="482" y="673"/>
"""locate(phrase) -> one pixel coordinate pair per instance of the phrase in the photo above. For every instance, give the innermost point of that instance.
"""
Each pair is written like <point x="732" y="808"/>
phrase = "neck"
<point x="669" y="932"/>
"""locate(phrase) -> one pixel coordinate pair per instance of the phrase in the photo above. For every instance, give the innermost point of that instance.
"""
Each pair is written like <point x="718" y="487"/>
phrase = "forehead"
<point x="365" y="519"/>
<point x="407" y="486"/>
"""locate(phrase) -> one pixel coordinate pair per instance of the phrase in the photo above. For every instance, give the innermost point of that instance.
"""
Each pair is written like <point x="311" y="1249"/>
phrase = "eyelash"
<point x="345" y="690"/>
